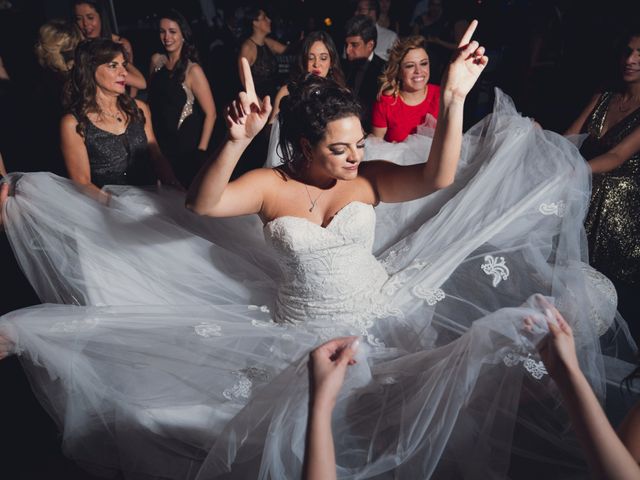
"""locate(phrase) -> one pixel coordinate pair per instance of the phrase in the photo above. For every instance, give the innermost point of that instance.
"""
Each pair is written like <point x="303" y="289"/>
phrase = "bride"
<point x="181" y="350"/>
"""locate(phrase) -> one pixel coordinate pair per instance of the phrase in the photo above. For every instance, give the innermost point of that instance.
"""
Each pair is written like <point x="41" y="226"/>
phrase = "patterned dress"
<point x="613" y="221"/>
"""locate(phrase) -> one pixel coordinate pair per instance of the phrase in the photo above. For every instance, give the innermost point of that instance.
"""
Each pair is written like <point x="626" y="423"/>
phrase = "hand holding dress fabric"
<point x="557" y="349"/>
<point x="247" y="115"/>
<point x="329" y="364"/>
<point x="606" y="454"/>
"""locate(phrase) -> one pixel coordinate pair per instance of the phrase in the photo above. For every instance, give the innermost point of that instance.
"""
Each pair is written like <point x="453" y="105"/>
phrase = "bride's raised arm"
<point x="211" y="193"/>
<point x="394" y="183"/>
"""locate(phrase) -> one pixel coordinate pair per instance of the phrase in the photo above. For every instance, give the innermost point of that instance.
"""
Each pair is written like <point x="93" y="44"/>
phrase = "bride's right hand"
<point x="247" y="115"/>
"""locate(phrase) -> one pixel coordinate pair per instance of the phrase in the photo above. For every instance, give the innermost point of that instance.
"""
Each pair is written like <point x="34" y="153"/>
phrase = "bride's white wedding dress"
<point x="182" y="353"/>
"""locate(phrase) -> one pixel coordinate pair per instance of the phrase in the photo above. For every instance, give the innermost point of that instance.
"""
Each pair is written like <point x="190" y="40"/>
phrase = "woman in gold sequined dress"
<point x="612" y="120"/>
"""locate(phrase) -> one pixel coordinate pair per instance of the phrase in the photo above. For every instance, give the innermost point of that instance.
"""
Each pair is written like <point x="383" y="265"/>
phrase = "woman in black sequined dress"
<point x="260" y="51"/>
<point x="106" y="136"/>
<point x="612" y="120"/>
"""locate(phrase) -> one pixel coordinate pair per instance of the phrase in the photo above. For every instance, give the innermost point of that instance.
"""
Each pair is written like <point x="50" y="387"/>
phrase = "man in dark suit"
<point x="363" y="66"/>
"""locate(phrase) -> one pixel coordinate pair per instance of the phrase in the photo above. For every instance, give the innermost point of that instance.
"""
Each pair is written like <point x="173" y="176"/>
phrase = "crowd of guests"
<point x="104" y="122"/>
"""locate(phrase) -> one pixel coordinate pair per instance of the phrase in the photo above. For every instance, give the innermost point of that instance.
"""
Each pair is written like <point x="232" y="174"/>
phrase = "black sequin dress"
<point x="177" y="121"/>
<point x="119" y="159"/>
<point x="265" y="71"/>
<point x="613" y="221"/>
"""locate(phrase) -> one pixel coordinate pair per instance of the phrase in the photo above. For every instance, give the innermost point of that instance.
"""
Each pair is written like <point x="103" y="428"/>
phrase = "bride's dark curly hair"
<point x="312" y="103"/>
<point x="80" y="90"/>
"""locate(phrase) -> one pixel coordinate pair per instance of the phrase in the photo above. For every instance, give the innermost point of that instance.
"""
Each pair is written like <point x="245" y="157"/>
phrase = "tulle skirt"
<point x="158" y="356"/>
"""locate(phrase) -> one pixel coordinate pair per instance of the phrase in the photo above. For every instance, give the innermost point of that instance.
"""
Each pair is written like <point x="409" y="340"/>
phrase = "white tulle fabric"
<point x="182" y="350"/>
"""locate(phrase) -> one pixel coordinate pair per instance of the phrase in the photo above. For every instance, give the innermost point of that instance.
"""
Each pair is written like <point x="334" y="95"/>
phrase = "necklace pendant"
<point x="311" y="209"/>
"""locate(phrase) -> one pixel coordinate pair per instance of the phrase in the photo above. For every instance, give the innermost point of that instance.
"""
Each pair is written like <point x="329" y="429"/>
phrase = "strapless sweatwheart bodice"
<point x="329" y="273"/>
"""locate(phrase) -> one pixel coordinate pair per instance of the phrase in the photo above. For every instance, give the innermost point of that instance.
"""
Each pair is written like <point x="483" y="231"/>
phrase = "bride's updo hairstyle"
<point x="312" y="103"/>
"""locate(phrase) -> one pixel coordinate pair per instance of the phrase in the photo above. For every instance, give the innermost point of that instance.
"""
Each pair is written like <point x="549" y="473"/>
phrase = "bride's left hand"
<point x="466" y="65"/>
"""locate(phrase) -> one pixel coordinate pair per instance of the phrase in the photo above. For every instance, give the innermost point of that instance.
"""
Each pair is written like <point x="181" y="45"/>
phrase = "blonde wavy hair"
<point x="57" y="41"/>
<point x="390" y="78"/>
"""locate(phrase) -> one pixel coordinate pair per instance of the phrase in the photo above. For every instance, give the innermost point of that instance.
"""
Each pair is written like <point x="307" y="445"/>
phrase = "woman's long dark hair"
<point x="106" y="29"/>
<point x="248" y="14"/>
<point x="81" y="87"/>
<point x="188" y="52"/>
<point x="335" y="72"/>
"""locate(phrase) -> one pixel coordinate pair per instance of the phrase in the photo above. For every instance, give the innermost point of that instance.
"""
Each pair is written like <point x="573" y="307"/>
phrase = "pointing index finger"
<point x="247" y="77"/>
<point x="466" y="38"/>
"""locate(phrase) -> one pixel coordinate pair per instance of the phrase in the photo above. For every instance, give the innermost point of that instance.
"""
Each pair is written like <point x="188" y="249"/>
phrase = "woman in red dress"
<point x="405" y="97"/>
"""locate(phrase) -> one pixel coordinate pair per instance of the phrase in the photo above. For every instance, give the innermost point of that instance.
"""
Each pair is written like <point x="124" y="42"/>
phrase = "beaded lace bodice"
<point x="330" y="274"/>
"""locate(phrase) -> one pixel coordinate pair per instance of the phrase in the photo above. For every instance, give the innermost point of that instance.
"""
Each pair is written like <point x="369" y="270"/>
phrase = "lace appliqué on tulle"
<point x="535" y="368"/>
<point x="284" y="327"/>
<point x="555" y="208"/>
<point x="208" y="330"/>
<point x="261" y="308"/>
<point x="496" y="266"/>
<point x="430" y="295"/>
<point x="74" y="325"/>
<point x="601" y="299"/>
<point x="602" y="284"/>
<point x="390" y="259"/>
<point x="241" y="390"/>
<point x="397" y="281"/>
<point x="362" y="323"/>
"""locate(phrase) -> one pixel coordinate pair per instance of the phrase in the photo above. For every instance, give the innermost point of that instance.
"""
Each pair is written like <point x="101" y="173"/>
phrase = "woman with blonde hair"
<point x="57" y="41"/>
<point x="405" y="98"/>
<point x="55" y="50"/>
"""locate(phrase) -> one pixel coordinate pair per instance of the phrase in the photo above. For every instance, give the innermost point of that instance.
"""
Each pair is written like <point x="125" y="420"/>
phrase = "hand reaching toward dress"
<point x="557" y="349"/>
<point x="466" y="65"/>
<point x="329" y="364"/>
<point x="247" y="115"/>
<point x="607" y="456"/>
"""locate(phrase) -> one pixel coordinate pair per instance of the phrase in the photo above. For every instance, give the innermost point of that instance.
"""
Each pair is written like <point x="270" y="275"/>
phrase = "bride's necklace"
<point x="312" y="201"/>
